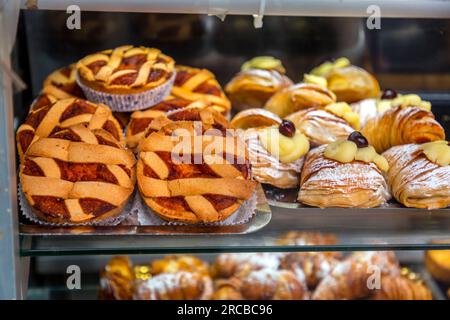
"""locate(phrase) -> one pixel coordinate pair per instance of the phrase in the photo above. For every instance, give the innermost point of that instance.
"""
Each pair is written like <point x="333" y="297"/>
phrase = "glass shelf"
<point x="373" y="229"/>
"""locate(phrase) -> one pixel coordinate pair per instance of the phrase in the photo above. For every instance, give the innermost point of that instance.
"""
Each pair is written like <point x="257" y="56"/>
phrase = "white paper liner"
<point x="129" y="102"/>
<point x="27" y="211"/>
<point x="244" y="214"/>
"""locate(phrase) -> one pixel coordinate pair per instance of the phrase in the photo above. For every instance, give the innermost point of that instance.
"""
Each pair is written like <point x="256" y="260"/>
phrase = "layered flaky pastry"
<point x="415" y="180"/>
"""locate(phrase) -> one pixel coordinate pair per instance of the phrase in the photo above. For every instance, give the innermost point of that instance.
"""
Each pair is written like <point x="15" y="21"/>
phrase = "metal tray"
<point x="261" y="218"/>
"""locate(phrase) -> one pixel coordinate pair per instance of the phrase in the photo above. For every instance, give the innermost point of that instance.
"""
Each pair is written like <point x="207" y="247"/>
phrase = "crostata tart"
<point x="62" y="84"/>
<point x="77" y="175"/>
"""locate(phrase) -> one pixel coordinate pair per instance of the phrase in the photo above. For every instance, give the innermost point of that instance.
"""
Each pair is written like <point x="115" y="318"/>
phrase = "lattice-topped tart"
<point x="46" y="119"/>
<point x="77" y="175"/>
<point x="190" y="186"/>
<point x="61" y="84"/>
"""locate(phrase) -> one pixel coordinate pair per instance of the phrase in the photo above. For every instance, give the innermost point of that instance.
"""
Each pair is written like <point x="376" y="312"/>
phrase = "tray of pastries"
<point x="270" y="276"/>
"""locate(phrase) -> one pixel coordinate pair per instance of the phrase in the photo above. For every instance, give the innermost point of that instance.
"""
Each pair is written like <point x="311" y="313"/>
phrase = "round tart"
<point x="46" y="119"/>
<point x="77" y="175"/>
<point x="126" y="78"/>
<point x="194" y="84"/>
<point x="181" y="182"/>
<point x="62" y="84"/>
<point x="252" y="88"/>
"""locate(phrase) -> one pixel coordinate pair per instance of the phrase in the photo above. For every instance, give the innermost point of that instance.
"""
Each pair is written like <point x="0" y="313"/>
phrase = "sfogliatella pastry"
<point x="276" y="154"/>
<point x="192" y="182"/>
<point x="195" y="84"/>
<point x="345" y="173"/>
<point x="173" y="264"/>
<point x="258" y="80"/>
<point x="406" y="119"/>
<point x="419" y="175"/>
<point x="117" y="279"/>
<point x="180" y="285"/>
<point x="126" y="78"/>
<point x="254" y="118"/>
<point x="437" y="263"/>
<point x="77" y="175"/>
<point x="348" y="82"/>
<point x="315" y="265"/>
<point x="350" y="279"/>
<point x="61" y="84"/>
<point x="50" y="118"/>
<point x="323" y="126"/>
<point x="298" y="97"/>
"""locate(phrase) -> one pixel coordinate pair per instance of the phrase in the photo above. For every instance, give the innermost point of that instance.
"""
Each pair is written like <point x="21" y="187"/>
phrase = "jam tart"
<point x="61" y="84"/>
<point x="77" y="175"/>
<point x="125" y="69"/>
<point x="42" y="121"/>
<point x="194" y="84"/>
<point x="198" y="187"/>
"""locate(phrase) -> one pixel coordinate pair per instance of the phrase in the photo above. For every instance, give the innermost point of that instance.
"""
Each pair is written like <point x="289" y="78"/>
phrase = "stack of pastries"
<point x="72" y="142"/>
<point x="359" y="146"/>
<point x="266" y="276"/>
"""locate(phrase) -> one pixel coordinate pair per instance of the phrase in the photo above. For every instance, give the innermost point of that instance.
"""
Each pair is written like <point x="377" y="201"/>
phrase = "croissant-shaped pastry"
<point x="400" y="125"/>
<point x="173" y="264"/>
<point x="229" y="289"/>
<point x="315" y="265"/>
<point x="117" y="280"/>
<point x="401" y="288"/>
<point x="325" y="182"/>
<point x="298" y="97"/>
<point x="269" y="284"/>
<point x="252" y="88"/>
<point x="415" y="180"/>
<point x="320" y="126"/>
<point x="349" y="279"/>
<point x="175" y="286"/>
<point x="232" y="264"/>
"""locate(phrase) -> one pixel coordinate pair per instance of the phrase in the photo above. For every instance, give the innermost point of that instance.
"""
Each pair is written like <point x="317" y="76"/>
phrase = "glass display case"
<point x="406" y="48"/>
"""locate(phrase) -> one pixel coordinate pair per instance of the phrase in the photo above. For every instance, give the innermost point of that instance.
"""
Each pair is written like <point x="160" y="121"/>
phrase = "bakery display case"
<point x="338" y="128"/>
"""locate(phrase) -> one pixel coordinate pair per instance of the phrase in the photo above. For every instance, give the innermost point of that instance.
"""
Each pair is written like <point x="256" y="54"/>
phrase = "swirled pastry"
<point x="415" y="180"/>
<point x="125" y="69"/>
<point x="50" y="118"/>
<point x="180" y="185"/>
<point x="195" y="84"/>
<point x="326" y="182"/>
<point x="402" y="125"/>
<point x="298" y="97"/>
<point x="252" y="88"/>
<point x="181" y="285"/>
<point x="61" y="84"/>
<point x="77" y="175"/>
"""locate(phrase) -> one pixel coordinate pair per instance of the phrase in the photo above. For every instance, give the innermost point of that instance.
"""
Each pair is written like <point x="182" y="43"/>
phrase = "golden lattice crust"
<point x="195" y="84"/>
<point x="46" y="119"/>
<point x="125" y="69"/>
<point x="61" y="84"/>
<point x="77" y="175"/>
<point x="193" y="193"/>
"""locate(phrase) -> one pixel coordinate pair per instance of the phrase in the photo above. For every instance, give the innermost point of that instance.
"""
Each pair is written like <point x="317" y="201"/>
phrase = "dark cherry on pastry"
<point x="389" y="94"/>
<point x="358" y="139"/>
<point x="77" y="175"/>
<point x="287" y="128"/>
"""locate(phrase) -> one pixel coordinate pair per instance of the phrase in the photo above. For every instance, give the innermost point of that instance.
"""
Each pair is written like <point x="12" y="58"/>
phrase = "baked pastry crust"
<point x="399" y="125"/>
<point x="125" y="69"/>
<point x="46" y="119"/>
<point x="254" y="87"/>
<point x="320" y="126"/>
<point x="437" y="263"/>
<point x="401" y="288"/>
<point x="173" y="264"/>
<point x="117" y="279"/>
<point x="328" y="183"/>
<point x="195" y="84"/>
<point x="61" y="84"/>
<point x="414" y="180"/>
<point x="77" y="175"/>
<point x="298" y="97"/>
<point x="254" y="118"/>
<point x="190" y="192"/>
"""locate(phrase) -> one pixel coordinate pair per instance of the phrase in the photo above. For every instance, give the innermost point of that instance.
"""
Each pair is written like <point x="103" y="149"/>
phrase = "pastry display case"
<point x="338" y="122"/>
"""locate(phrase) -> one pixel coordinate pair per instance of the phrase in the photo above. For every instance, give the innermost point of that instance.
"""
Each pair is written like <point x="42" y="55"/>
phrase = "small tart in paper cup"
<point x="128" y="102"/>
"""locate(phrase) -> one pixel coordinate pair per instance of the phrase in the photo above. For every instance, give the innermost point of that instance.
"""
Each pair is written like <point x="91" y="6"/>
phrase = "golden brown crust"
<point x="172" y="264"/>
<point x="437" y="263"/>
<point x="401" y="288"/>
<point x="414" y="180"/>
<point x="298" y="97"/>
<point x="61" y="84"/>
<point x="254" y="118"/>
<point x="254" y="87"/>
<point x="399" y="125"/>
<point x="117" y="279"/>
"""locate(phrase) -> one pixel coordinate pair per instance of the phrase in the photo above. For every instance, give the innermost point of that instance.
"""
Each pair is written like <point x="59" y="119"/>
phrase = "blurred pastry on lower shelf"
<point x="298" y="97"/>
<point x="402" y="287"/>
<point x="419" y="175"/>
<point x="176" y="263"/>
<point x="437" y="263"/>
<point x="345" y="173"/>
<point x="117" y="279"/>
